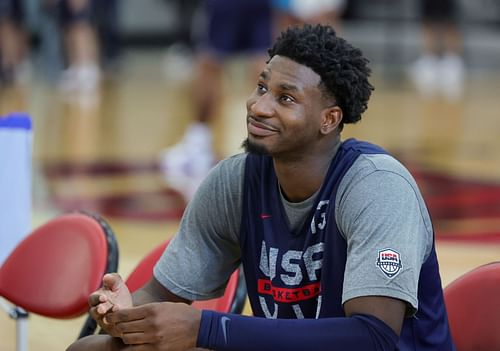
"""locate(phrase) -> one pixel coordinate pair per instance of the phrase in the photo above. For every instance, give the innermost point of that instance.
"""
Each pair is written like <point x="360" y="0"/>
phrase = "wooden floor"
<point x="85" y="151"/>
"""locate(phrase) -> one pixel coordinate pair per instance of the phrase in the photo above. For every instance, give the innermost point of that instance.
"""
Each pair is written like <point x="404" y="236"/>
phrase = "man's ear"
<point x="332" y="117"/>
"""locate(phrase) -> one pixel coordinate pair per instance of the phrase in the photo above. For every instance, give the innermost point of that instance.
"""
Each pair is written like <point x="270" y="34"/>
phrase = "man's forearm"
<point x="235" y="332"/>
<point x="142" y="297"/>
<point x="153" y="291"/>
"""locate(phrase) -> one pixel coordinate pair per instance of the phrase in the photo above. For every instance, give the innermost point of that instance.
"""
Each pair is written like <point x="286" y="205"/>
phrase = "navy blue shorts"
<point x="11" y="9"/>
<point x="243" y="26"/>
<point x="439" y="10"/>
<point x="67" y="16"/>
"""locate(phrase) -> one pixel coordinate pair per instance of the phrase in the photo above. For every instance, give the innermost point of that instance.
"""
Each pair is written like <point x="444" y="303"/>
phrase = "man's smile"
<point x="257" y="128"/>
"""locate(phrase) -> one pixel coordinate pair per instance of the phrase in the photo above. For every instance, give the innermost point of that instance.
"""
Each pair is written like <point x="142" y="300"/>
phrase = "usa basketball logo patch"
<point x="389" y="262"/>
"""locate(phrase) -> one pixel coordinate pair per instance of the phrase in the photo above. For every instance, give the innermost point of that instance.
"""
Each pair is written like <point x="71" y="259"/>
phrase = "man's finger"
<point x="135" y="338"/>
<point x="104" y="307"/>
<point x="96" y="298"/>
<point x="127" y="315"/>
<point x="136" y="326"/>
<point x="94" y="314"/>
<point x="112" y="281"/>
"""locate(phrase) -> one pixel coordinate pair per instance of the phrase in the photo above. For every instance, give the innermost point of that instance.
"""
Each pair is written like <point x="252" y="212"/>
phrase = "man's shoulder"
<point x="381" y="162"/>
<point x="240" y="157"/>
<point x="232" y="164"/>
<point x="367" y="166"/>
<point x="228" y="172"/>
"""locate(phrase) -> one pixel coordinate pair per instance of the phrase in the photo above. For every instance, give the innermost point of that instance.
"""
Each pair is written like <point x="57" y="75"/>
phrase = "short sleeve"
<point x="385" y="222"/>
<point x="205" y="251"/>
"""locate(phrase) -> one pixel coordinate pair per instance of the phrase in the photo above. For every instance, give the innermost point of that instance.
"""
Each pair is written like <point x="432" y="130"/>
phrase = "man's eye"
<point x="261" y="88"/>
<point x="286" y="98"/>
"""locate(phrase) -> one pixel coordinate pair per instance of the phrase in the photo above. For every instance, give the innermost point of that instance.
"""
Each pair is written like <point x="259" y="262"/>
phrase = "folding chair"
<point x="473" y="304"/>
<point x="53" y="270"/>
<point x="233" y="300"/>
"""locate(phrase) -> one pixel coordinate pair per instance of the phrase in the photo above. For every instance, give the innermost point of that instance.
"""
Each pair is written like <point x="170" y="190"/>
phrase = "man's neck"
<point x="300" y="179"/>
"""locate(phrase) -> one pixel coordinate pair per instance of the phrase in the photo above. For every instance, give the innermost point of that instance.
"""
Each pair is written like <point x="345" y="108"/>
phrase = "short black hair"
<point x="343" y="69"/>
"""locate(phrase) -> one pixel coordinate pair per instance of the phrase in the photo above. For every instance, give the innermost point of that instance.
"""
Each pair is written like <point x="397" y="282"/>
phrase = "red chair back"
<point x="55" y="268"/>
<point x="232" y="301"/>
<point x="473" y="304"/>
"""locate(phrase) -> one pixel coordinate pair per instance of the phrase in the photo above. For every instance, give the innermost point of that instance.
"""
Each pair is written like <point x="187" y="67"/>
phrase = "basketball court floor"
<point x="100" y="153"/>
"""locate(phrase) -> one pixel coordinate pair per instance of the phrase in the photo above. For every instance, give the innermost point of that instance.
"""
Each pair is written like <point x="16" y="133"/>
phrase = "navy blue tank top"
<point x="301" y="275"/>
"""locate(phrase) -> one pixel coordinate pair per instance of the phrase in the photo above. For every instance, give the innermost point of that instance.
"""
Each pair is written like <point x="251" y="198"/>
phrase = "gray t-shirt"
<point x="205" y="251"/>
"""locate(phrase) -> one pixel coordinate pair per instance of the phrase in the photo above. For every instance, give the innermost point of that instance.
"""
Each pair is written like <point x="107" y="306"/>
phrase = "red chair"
<point x="233" y="300"/>
<point x="473" y="304"/>
<point x="55" y="268"/>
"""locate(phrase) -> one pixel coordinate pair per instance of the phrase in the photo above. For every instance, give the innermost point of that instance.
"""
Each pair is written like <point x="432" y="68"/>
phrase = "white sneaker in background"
<point x="178" y="63"/>
<point x="451" y="76"/>
<point x="187" y="163"/>
<point x="424" y="74"/>
<point x="83" y="78"/>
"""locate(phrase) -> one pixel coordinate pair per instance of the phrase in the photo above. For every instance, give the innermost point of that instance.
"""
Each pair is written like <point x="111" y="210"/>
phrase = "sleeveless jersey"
<point x="301" y="275"/>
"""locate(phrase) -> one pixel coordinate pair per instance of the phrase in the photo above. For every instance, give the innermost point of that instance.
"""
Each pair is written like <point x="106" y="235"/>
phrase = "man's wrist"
<point x="202" y="339"/>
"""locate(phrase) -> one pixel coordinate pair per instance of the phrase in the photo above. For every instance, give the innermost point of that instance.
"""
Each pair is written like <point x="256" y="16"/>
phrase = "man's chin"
<point x="253" y="148"/>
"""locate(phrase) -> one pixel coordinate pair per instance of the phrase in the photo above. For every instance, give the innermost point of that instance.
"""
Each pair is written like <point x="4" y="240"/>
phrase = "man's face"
<point x="284" y="112"/>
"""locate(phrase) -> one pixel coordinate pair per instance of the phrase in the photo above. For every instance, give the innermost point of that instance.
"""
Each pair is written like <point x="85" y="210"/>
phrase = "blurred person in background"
<point x="13" y="43"/>
<point x="82" y="73"/>
<point x="107" y="29"/>
<point x="76" y="22"/>
<point x="440" y="68"/>
<point x="291" y="12"/>
<point x="227" y="28"/>
<point x="179" y="57"/>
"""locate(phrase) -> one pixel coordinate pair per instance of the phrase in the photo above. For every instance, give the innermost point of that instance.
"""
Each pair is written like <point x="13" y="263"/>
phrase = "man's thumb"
<point x="112" y="281"/>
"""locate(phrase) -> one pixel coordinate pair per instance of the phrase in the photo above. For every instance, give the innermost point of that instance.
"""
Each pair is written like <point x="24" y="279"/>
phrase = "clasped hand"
<point x="154" y="326"/>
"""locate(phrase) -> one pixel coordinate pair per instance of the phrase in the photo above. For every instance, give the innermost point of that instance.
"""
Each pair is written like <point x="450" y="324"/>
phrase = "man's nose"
<point x="262" y="105"/>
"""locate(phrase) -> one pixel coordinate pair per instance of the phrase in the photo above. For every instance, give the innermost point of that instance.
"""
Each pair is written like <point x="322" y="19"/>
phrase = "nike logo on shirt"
<point x="224" y="321"/>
